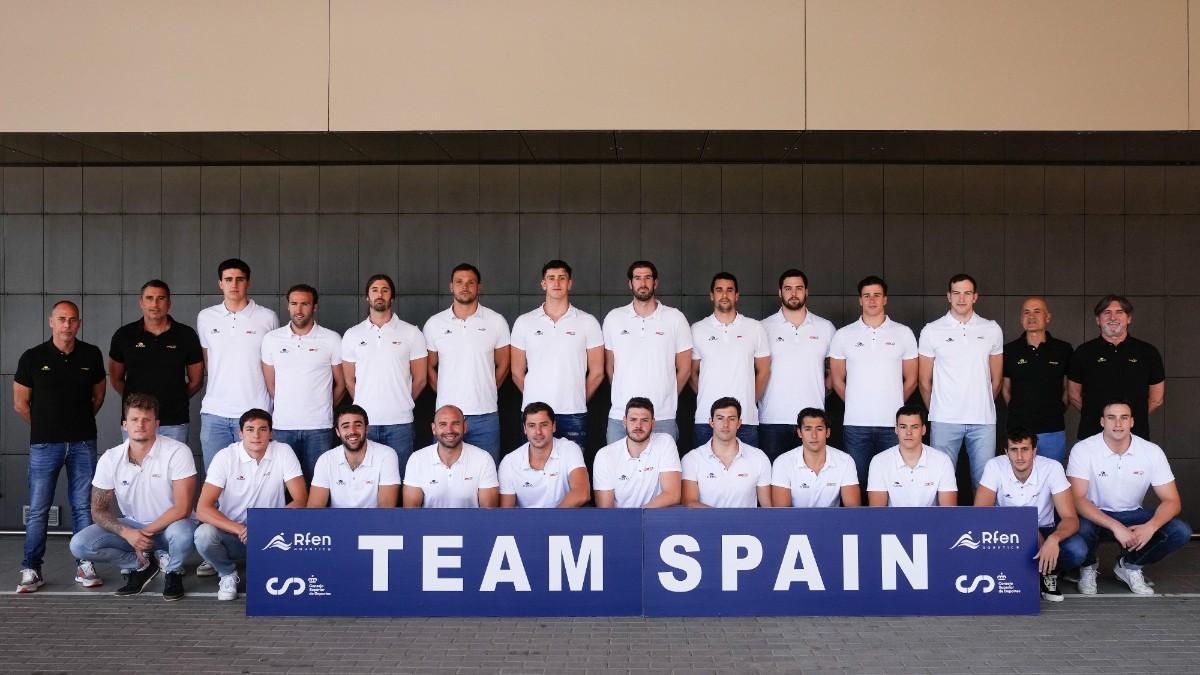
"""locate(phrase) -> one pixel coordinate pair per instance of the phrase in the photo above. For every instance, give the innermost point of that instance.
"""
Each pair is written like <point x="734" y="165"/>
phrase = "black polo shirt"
<point x="1107" y="372"/>
<point x="156" y="364"/>
<point x="1036" y="383"/>
<point x="61" y="401"/>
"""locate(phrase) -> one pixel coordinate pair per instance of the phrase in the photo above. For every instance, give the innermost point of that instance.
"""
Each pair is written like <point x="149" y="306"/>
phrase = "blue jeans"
<point x="398" y="437"/>
<point x="1168" y="539"/>
<point x="573" y="428"/>
<point x="702" y="433"/>
<point x="216" y="433"/>
<point x="46" y="460"/>
<point x="175" y="432"/>
<point x="99" y="545"/>
<point x="1053" y="445"/>
<point x="483" y="431"/>
<point x="308" y="444"/>
<point x="863" y="443"/>
<point x="777" y="439"/>
<point x="1070" y="552"/>
<point x="616" y="429"/>
<point x="220" y="548"/>
<point x="980" y="439"/>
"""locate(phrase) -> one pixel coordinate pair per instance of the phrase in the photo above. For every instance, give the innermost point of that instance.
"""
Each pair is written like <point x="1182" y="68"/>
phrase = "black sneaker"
<point x="172" y="586"/>
<point x="137" y="580"/>
<point x="1050" y="588"/>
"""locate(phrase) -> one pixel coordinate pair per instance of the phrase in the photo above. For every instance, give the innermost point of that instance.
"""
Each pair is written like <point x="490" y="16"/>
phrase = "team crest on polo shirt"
<point x="448" y="331"/>
<point x="362" y="343"/>
<point x="241" y="478"/>
<point x="125" y="483"/>
<point x="396" y="342"/>
<point x="1102" y="474"/>
<point x="251" y="332"/>
<point x="803" y="486"/>
<point x="468" y="477"/>
<point x="527" y="484"/>
<point x="481" y="329"/>
<point x="570" y="332"/>
<point x="657" y="332"/>
<point x="711" y="475"/>
<point x="1133" y="360"/>
<point x="779" y="339"/>
<point x="140" y="345"/>
<point x="896" y="484"/>
<point x="537" y="332"/>
<point x="433" y="481"/>
<point x="712" y="338"/>
<point x="341" y="482"/>
<point x="216" y="330"/>
<point x="743" y="475"/>
<point x="283" y="351"/>
<point x="1101" y="360"/>
<point x="170" y="346"/>
<point x="859" y="344"/>
<point x="1139" y="472"/>
<point x="368" y="482"/>
<point x="552" y="475"/>
<point x="626" y="332"/>
<point x="890" y="344"/>
<point x="622" y="477"/>
<point x="949" y="339"/>
<point x="1021" y="361"/>
<point x="45" y="367"/>
<point x="156" y="475"/>
<point x="929" y="484"/>
<point x="831" y="485"/>
<point x="814" y="337"/>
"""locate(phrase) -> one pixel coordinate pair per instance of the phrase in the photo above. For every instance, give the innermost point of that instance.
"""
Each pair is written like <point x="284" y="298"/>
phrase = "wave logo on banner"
<point x="301" y="541"/>
<point x="988" y="583"/>
<point x="278" y="542"/>
<point x="966" y="541"/>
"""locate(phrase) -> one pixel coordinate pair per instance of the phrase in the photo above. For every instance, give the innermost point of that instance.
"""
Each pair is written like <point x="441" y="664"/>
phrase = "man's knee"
<point x="1177" y="532"/>
<point x="1072" y="552"/>
<point x="206" y="536"/>
<point x="182" y="529"/>
<point x="81" y="544"/>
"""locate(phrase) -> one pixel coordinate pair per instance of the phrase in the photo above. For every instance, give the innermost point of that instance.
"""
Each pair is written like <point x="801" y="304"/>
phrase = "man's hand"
<point x="1047" y="556"/>
<point x="1141" y="535"/>
<point x="138" y="539"/>
<point x="1125" y="537"/>
<point x="243" y="534"/>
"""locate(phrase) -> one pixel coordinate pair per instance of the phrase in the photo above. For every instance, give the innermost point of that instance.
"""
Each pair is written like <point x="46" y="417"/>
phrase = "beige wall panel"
<point x="1194" y="65"/>
<point x="997" y="64"/>
<point x="163" y="65"/>
<point x="567" y="64"/>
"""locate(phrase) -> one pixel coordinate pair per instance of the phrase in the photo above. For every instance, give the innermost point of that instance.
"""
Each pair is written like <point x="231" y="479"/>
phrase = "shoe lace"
<point x="229" y="583"/>
<point x="1050" y="581"/>
<point x="88" y="568"/>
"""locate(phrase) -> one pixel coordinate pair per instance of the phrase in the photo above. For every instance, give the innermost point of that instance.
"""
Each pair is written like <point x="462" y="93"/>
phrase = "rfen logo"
<point x="300" y="541"/>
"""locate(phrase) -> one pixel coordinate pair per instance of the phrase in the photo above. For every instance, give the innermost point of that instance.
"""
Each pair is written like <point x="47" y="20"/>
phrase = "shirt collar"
<point x="524" y="454"/>
<point x="368" y="456"/>
<point x="248" y="309"/>
<point x="712" y="319"/>
<point x="658" y="307"/>
<point x="950" y="320"/>
<point x="569" y="314"/>
<point x="149" y="453"/>
<point x="244" y="456"/>
<point x="312" y="332"/>
<point x="920" y="462"/>
<point x="711" y="454"/>
<point x="887" y="322"/>
<point x="808" y="318"/>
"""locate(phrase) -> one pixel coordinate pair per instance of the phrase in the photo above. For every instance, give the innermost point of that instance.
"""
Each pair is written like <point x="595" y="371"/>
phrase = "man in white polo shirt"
<point x="1022" y="477"/>
<point x="359" y="473"/>
<point x="450" y="474"/>
<point x="799" y="342"/>
<point x="814" y="475"/>
<point x="912" y="473"/>
<point x="647" y="353"/>
<point x="546" y="472"/>
<point x="558" y="354"/>
<point x="641" y="470"/>
<point x="469" y="358"/>
<point x="960" y="370"/>
<point x="255" y="472"/>
<point x="385" y="366"/>
<point x="730" y="357"/>
<point x="302" y="365"/>
<point x="150" y="480"/>
<point x="873" y="368"/>
<point x="1110" y="474"/>
<point x="724" y="472"/>
<point x="231" y="335"/>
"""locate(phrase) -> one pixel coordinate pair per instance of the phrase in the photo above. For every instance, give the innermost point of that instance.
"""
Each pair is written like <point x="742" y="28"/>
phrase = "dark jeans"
<point x="1167" y="539"/>
<point x="573" y="428"/>
<point x="777" y="439"/>
<point x="863" y="443"/>
<point x="398" y="437"/>
<point x="308" y="444"/>
<point x="702" y="433"/>
<point x="46" y="460"/>
<point x="483" y="432"/>
<point x="1070" y="552"/>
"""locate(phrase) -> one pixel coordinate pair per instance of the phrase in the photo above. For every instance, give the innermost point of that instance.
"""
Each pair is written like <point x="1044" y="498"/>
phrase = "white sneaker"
<point x="1087" y="579"/>
<point x="205" y="569"/>
<point x="1132" y="578"/>
<point x="85" y="575"/>
<point x="227" y="590"/>
<point x="31" y="580"/>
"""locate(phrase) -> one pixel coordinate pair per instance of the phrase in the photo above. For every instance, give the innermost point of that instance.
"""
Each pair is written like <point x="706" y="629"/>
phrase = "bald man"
<point x="450" y="473"/>
<point x="1035" y="381"/>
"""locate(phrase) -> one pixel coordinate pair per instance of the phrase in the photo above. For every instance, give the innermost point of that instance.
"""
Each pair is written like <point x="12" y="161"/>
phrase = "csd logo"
<point x="276" y="588"/>
<point x="988" y="584"/>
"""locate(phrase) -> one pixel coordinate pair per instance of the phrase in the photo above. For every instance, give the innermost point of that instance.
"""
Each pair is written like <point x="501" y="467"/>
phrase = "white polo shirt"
<point x="382" y="370"/>
<point x="356" y="488"/>
<point x="911" y="486"/>
<point x="540" y="488"/>
<point x="644" y="350"/>
<point x="797" y="367"/>
<point x="1119" y="482"/>
<point x="814" y="489"/>
<point x="1045" y="480"/>
<point x="874" y="370"/>
<point x="634" y="480"/>
<point x="451" y="487"/>
<point x="466" y="350"/>
<point x="726" y="354"/>
<point x="248" y="484"/>
<point x="234" y="344"/>
<point x="962" y="378"/>
<point x="556" y="357"/>
<point x="144" y="492"/>
<point x="303" y="375"/>
<point x="728" y="487"/>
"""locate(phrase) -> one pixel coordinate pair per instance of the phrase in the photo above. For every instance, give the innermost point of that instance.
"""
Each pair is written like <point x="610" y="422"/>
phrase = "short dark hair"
<point x="725" y="402"/>
<point x="792" y="272"/>
<point x="535" y="408"/>
<point x="302" y="288"/>
<point x="233" y="264"/>
<point x="141" y="401"/>
<point x="350" y="409"/>
<point x="1116" y="401"/>
<point x="722" y="275"/>
<point x="467" y="267"/>
<point x="641" y="263"/>
<point x="255" y="414"/>
<point x="1110" y="299"/>
<point x="1018" y="434"/>
<point x="872" y="280"/>
<point x="962" y="276"/>
<point x="815" y="413"/>
<point x="910" y="409"/>
<point x="379" y="277"/>
<point x="156" y="283"/>
<point x="556" y="265"/>
<point x="640" y="402"/>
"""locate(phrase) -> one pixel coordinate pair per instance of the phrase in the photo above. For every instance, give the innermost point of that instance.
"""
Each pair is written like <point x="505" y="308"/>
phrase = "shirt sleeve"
<point x="182" y="464"/>
<point x="202" y="330"/>
<point x="114" y="348"/>
<point x="947" y="482"/>
<point x="335" y="350"/>
<point x="501" y="337"/>
<point x="265" y="350"/>
<point x="1078" y="465"/>
<point x="593" y="336"/>
<point x="695" y="341"/>
<point x="997" y="339"/>
<point x="1076" y="370"/>
<point x="837" y="346"/>
<point x="417" y="351"/>
<point x="779" y="475"/>
<point x="321" y="477"/>
<point x="1160" y="470"/>
<point x="192" y="352"/>
<point x="849" y="475"/>
<point x="875" y="480"/>
<point x="412" y="472"/>
<point x="601" y="476"/>
<point x="272" y="319"/>
<point x="24" y="374"/>
<point x="830" y="331"/>
<point x="606" y="329"/>
<point x="670" y="459"/>
<point x="290" y="464"/>
<point x="763" y="347"/>
<point x="487" y="475"/>
<point x="1007" y="369"/>
<point x="910" y="344"/>
<point x="573" y="457"/>
<point x="518" y="338"/>
<point x="104" y="478"/>
<point x="389" y="472"/>
<point x="688" y="466"/>
<point x="764" y="471"/>
<point x="925" y="343"/>
<point x="217" y="473"/>
<point x="1157" y="374"/>
<point x="683" y="334"/>
<point x="430" y="341"/>
<point x="508" y="483"/>
<point x="1057" y="482"/>
<point x="97" y="366"/>
<point x="348" y="347"/>
<point x="991" y="476"/>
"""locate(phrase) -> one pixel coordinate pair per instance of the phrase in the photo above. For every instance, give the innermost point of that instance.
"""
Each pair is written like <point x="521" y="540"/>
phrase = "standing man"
<point x="731" y="358"/>
<point x="799" y="342"/>
<point x="469" y="358"/>
<point x="724" y="472"/>
<point x="231" y="334"/>
<point x="647" y="353"/>
<point x="156" y="355"/>
<point x="558" y="354"/>
<point x="546" y="472"/>
<point x="873" y="368"/>
<point x="1115" y="365"/>
<point x="450" y="474"/>
<point x="302" y="366"/>
<point x="57" y="390"/>
<point x="359" y="473"/>
<point x="814" y="475"/>
<point x="1035" y="381"/>
<point x="912" y="473"/>
<point x="641" y="470"/>
<point x="385" y="367"/>
<point x="961" y="365"/>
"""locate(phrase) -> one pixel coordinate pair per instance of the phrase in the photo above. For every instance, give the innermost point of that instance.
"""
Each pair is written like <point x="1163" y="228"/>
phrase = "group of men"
<point x="758" y="385"/>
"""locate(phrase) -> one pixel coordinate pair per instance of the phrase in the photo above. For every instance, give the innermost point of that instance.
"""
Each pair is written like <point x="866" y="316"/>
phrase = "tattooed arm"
<point x="104" y="514"/>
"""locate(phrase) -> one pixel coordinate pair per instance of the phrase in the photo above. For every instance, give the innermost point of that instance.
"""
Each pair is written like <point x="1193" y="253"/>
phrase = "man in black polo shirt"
<point x="1115" y="366"/>
<point x="1035" y="374"/>
<point x="159" y="356"/>
<point x="57" y="389"/>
